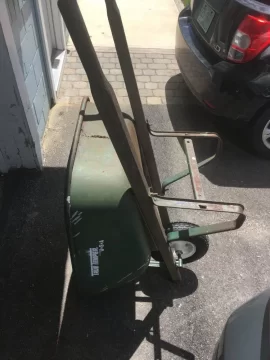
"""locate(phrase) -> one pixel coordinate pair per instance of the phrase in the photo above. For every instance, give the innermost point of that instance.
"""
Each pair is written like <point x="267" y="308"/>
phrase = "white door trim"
<point x="15" y="62"/>
<point x="46" y="50"/>
<point x="57" y="25"/>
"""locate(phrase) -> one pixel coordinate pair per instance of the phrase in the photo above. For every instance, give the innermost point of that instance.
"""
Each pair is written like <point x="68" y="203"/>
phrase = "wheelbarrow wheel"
<point x="191" y="249"/>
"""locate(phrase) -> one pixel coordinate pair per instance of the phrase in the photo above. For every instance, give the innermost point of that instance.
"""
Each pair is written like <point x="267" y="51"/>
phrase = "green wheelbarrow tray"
<point x="109" y="243"/>
<point x="116" y="208"/>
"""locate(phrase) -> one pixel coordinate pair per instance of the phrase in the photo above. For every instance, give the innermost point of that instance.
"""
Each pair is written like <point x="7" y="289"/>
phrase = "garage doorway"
<point x="54" y="37"/>
<point x="49" y="29"/>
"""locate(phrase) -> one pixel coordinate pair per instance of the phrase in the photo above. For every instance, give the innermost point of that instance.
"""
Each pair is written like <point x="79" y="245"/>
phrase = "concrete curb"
<point x="132" y="50"/>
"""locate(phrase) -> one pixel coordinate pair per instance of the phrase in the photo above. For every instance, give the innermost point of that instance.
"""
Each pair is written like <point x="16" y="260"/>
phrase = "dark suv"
<point x="223" y="51"/>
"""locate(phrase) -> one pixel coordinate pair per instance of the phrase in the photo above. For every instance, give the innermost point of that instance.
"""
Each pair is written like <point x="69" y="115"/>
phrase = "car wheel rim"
<point x="266" y="135"/>
<point x="186" y="249"/>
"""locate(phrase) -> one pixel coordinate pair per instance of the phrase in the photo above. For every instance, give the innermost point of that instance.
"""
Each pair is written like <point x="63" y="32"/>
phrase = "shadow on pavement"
<point x="33" y="254"/>
<point x="237" y="166"/>
<point x="33" y="258"/>
<point x="114" y="324"/>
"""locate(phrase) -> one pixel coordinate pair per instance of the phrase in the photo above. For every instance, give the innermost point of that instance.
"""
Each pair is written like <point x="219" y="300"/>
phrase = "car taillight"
<point x="250" y="39"/>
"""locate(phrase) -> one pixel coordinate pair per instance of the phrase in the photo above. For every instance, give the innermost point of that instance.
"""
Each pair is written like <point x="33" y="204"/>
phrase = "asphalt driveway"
<point x="44" y="318"/>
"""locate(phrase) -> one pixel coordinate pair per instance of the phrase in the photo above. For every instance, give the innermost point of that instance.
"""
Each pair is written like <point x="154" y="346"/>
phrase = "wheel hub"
<point x="184" y="248"/>
<point x="266" y="135"/>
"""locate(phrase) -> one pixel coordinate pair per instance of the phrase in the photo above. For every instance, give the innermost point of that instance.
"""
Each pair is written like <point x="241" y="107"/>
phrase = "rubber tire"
<point x="255" y="135"/>
<point x="201" y="242"/>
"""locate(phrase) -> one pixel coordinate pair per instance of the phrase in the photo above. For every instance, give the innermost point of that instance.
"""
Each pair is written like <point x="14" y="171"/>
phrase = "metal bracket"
<point x="199" y="203"/>
<point x="188" y="136"/>
<point x="202" y="206"/>
<point x="158" y="264"/>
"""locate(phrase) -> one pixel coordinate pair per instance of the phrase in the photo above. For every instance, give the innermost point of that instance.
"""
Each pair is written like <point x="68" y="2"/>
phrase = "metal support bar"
<point x="154" y="263"/>
<point x="208" y="229"/>
<point x="121" y="45"/>
<point x="194" y="170"/>
<point x="158" y="264"/>
<point x="187" y="135"/>
<point x="171" y="179"/>
<point x="204" y="206"/>
<point x="113" y="120"/>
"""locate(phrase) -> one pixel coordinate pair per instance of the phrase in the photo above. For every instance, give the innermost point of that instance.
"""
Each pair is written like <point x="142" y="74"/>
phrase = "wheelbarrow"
<point x="115" y="204"/>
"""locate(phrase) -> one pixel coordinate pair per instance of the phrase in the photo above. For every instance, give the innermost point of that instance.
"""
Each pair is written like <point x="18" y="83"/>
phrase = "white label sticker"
<point x="101" y="246"/>
<point x="94" y="254"/>
<point x="94" y="261"/>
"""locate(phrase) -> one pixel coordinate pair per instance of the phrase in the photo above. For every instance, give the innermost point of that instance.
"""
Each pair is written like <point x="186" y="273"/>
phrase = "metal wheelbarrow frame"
<point x="145" y="182"/>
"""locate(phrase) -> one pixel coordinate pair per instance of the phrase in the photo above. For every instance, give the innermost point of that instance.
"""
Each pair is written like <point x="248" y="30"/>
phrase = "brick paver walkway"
<point x="156" y="71"/>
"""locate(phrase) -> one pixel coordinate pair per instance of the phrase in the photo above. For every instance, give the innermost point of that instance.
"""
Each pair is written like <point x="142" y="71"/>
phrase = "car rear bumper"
<point x="206" y="77"/>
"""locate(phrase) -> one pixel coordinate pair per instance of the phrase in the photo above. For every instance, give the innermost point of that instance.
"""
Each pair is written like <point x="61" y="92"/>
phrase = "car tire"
<point x="257" y="134"/>
<point x="200" y="242"/>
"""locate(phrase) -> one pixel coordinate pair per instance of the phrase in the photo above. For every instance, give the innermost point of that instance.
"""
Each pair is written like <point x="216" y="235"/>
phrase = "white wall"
<point x="17" y="148"/>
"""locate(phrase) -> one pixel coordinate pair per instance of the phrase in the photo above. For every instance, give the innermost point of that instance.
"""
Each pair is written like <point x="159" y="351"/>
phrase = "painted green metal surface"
<point x="172" y="179"/>
<point x="108" y="240"/>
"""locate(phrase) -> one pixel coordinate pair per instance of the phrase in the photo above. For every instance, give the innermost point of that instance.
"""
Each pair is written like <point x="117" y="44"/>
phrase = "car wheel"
<point x="260" y="135"/>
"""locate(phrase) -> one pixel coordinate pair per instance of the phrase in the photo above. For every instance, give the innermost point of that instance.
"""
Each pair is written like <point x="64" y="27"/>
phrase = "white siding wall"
<point x="16" y="144"/>
<point x="27" y="38"/>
